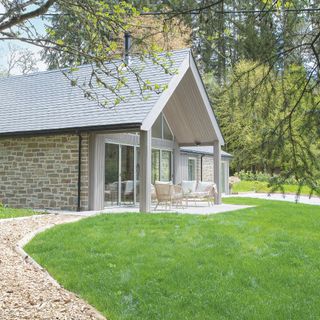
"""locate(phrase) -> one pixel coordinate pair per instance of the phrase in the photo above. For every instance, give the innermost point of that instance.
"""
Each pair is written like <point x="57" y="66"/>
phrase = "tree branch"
<point x="29" y="15"/>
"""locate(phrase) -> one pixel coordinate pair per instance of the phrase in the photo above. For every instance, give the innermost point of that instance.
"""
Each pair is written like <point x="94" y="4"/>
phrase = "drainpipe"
<point x="79" y="172"/>
<point x="201" y="168"/>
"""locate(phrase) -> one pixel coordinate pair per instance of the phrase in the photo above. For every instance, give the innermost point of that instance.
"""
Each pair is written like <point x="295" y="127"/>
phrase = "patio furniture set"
<point x="167" y="193"/>
<point x="170" y="194"/>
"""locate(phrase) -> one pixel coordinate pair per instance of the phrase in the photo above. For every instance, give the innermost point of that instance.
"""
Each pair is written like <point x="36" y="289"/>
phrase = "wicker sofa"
<point x="198" y="191"/>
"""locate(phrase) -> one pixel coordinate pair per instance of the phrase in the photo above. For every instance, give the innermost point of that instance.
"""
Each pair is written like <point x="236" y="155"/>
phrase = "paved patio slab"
<point x="200" y="208"/>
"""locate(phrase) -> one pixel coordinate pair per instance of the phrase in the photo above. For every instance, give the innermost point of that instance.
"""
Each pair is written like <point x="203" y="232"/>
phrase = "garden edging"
<point x="28" y="259"/>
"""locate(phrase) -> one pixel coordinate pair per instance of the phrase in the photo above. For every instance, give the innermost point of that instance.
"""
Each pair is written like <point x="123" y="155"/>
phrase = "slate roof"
<point x="206" y="150"/>
<point x="46" y="101"/>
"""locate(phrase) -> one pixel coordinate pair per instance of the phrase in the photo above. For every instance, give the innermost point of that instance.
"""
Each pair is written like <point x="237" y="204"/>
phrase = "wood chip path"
<point x="26" y="291"/>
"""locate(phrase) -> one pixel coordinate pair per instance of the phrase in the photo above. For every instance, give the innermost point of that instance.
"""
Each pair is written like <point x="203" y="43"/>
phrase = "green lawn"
<point x="15" y="213"/>
<point x="260" y="186"/>
<point x="257" y="263"/>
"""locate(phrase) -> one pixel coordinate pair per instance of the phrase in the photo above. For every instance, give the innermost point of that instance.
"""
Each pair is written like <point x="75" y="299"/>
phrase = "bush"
<point x="251" y="176"/>
<point x="263" y="177"/>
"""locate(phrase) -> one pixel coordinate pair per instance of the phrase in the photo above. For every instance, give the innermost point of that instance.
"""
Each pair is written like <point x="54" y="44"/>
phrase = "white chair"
<point x="199" y="191"/>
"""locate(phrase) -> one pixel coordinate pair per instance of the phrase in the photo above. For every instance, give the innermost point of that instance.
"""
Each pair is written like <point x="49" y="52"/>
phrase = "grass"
<point x="256" y="263"/>
<point x="261" y="186"/>
<point x="6" y="213"/>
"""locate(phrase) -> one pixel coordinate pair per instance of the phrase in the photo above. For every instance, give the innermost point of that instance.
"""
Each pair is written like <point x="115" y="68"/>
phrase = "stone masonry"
<point x="41" y="172"/>
<point x="207" y="171"/>
<point x="207" y="168"/>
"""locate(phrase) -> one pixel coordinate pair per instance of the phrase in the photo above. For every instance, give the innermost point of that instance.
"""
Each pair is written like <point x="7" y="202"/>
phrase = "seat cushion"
<point x="188" y="186"/>
<point x="204" y="186"/>
<point x="198" y="194"/>
<point x="163" y="182"/>
<point x="178" y="196"/>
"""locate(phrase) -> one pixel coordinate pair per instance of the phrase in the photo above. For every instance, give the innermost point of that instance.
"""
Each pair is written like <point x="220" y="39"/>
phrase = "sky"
<point x="39" y="24"/>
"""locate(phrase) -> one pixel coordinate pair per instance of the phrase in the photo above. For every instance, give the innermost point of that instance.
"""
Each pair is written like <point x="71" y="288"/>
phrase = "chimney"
<point x="127" y="47"/>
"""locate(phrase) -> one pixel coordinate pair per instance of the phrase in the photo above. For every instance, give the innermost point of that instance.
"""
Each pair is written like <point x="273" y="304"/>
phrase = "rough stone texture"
<point x="207" y="173"/>
<point x="207" y="168"/>
<point x="26" y="292"/>
<point x="42" y="171"/>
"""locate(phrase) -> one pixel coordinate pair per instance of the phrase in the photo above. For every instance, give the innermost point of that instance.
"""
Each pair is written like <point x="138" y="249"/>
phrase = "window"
<point x="161" y="165"/>
<point x="161" y="130"/>
<point x="166" y="131"/>
<point x="191" y="169"/>
<point x="165" y="165"/>
<point x="157" y="128"/>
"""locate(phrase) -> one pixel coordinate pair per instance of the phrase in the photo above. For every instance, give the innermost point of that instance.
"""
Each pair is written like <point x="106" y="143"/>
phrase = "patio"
<point x="200" y="208"/>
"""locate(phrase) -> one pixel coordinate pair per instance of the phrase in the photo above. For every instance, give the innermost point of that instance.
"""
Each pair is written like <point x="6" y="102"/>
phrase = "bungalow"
<point x="60" y="150"/>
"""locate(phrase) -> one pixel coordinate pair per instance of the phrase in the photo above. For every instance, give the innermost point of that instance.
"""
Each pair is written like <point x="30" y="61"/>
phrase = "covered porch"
<point x="124" y="164"/>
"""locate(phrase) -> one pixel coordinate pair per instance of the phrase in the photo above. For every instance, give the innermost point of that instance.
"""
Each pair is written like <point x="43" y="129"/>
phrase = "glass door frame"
<point x="135" y="162"/>
<point x="119" y="200"/>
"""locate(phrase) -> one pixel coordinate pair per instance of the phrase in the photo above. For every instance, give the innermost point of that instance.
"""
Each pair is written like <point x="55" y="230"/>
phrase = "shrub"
<point x="251" y="176"/>
<point x="264" y="177"/>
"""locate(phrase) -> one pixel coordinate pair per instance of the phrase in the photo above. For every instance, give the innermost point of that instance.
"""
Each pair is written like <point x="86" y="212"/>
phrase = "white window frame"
<point x="163" y="118"/>
<point x="195" y="167"/>
<point x="171" y="161"/>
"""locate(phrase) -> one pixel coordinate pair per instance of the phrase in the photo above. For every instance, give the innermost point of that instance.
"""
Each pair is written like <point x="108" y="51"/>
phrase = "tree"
<point x="23" y="61"/>
<point x="262" y="134"/>
<point x="145" y="31"/>
<point x="273" y="35"/>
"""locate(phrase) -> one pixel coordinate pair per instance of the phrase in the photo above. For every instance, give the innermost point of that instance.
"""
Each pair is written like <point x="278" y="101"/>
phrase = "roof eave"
<point x="206" y="99"/>
<point x="229" y="156"/>
<point x="75" y="130"/>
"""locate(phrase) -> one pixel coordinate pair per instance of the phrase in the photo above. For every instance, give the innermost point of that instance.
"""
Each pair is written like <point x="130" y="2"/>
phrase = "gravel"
<point x="26" y="290"/>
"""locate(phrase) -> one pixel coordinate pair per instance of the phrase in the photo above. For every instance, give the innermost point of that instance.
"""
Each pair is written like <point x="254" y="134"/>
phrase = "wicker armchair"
<point x="168" y="193"/>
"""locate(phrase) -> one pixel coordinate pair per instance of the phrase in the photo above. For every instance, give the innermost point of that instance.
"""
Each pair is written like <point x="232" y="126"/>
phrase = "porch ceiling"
<point x="188" y="116"/>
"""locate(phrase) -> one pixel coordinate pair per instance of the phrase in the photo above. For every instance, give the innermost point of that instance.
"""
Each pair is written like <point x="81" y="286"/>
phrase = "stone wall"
<point x="41" y="172"/>
<point x="207" y="168"/>
<point x="207" y="173"/>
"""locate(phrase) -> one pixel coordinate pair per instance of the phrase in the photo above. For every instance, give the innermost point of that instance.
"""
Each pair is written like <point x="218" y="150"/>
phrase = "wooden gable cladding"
<point x="187" y="114"/>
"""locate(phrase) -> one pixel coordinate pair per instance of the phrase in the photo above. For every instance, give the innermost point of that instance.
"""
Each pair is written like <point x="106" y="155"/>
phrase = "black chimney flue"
<point x="127" y="47"/>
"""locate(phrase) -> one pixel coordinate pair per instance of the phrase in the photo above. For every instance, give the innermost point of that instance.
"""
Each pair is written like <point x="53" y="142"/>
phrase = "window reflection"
<point x="165" y="165"/>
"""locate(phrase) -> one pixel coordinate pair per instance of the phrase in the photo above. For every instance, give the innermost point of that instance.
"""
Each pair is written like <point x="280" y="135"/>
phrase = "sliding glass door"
<point x="122" y="172"/>
<point x="127" y="175"/>
<point x="119" y="174"/>
<point x="111" y="193"/>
